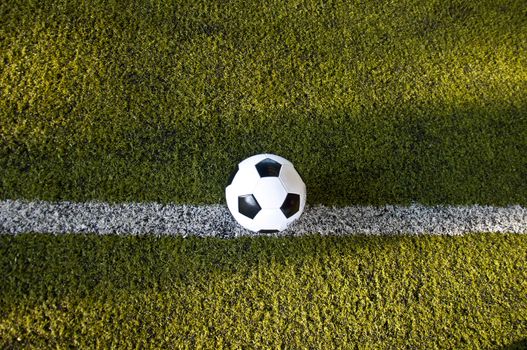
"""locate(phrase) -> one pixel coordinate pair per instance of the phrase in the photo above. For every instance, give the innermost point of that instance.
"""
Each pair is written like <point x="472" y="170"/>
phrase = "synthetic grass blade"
<point x="376" y="292"/>
<point x="375" y="102"/>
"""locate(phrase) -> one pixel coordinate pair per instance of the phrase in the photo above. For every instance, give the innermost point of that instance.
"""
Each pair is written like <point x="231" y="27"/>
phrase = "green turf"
<point x="374" y="101"/>
<point x="296" y="293"/>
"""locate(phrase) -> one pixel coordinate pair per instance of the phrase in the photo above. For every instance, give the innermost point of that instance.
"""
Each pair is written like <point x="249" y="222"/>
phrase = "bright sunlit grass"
<point x="428" y="292"/>
<point x="374" y="102"/>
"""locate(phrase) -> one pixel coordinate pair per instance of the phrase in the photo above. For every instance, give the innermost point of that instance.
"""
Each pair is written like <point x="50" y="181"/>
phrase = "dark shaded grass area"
<point x="428" y="292"/>
<point x="374" y="102"/>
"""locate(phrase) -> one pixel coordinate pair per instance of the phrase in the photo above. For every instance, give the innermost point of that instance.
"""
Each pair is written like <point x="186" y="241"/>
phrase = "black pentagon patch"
<point x="233" y="174"/>
<point x="268" y="167"/>
<point x="268" y="231"/>
<point x="248" y="206"/>
<point x="291" y="205"/>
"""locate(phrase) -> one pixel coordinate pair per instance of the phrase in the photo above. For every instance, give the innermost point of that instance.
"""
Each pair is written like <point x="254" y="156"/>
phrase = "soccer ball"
<point x="265" y="193"/>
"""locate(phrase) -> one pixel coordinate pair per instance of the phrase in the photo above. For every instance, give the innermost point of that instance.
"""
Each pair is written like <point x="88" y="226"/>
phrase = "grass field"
<point x="375" y="102"/>
<point x="360" y="292"/>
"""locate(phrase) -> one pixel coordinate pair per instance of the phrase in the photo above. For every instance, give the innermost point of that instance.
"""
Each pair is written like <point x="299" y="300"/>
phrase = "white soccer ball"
<point x="265" y="193"/>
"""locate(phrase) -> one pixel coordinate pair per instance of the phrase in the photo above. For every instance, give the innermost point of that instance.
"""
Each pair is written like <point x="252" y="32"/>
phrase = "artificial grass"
<point x="428" y="292"/>
<point x="374" y="101"/>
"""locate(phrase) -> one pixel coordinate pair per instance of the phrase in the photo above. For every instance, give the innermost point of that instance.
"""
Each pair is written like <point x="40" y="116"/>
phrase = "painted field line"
<point x="18" y="216"/>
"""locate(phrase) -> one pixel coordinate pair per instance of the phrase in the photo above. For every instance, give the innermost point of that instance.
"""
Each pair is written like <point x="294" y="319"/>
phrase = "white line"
<point x="18" y="216"/>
